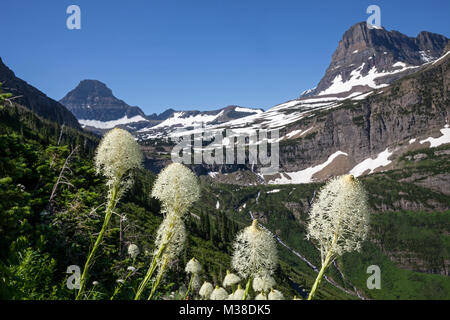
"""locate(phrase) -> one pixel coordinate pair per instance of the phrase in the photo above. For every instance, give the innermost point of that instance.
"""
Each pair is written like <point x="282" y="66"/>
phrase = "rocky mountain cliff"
<point x="369" y="135"/>
<point x="373" y="58"/>
<point x="93" y="100"/>
<point x="35" y="100"/>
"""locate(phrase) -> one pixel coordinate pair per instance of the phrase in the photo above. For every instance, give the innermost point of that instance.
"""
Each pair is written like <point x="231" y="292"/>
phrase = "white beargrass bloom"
<point x="275" y="295"/>
<point x="219" y="294"/>
<point x="254" y="252"/>
<point x="120" y="281"/>
<point x="339" y="218"/>
<point x="171" y="234"/>
<point x="206" y="290"/>
<point x="177" y="188"/>
<point x="230" y="279"/>
<point x="263" y="283"/>
<point x="95" y="283"/>
<point x="193" y="266"/>
<point x="117" y="153"/>
<point x="238" y="294"/>
<point x="133" y="250"/>
<point x="131" y="268"/>
<point x="260" y="297"/>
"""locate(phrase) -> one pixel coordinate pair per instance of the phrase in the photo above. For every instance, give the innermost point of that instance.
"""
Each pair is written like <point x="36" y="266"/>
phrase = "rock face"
<point x="35" y="100"/>
<point x="364" y="54"/>
<point x="93" y="100"/>
<point x="416" y="106"/>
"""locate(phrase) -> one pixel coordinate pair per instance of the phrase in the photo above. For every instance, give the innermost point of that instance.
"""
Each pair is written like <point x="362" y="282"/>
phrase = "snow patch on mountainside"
<point x="436" y="142"/>
<point x="247" y="110"/>
<point x="110" y="124"/>
<point x="371" y="164"/>
<point x="305" y="176"/>
<point x="436" y="61"/>
<point x="357" y="79"/>
<point x="178" y="119"/>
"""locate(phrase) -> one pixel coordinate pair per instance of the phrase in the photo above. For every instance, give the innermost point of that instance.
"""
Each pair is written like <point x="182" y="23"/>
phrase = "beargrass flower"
<point x="131" y="268"/>
<point x="275" y="295"/>
<point x="230" y="279"/>
<point x="263" y="283"/>
<point x="254" y="252"/>
<point x="206" y="290"/>
<point x="193" y="266"/>
<point x="117" y="154"/>
<point x="177" y="188"/>
<point x="260" y="296"/>
<point x="238" y="294"/>
<point x="219" y="293"/>
<point x="339" y="221"/>
<point x="170" y="239"/>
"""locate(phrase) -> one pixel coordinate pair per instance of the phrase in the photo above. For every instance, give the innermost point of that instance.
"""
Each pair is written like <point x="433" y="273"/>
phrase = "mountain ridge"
<point x="97" y="110"/>
<point x="34" y="99"/>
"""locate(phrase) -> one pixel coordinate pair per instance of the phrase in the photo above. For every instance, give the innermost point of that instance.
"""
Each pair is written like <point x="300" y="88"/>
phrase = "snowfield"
<point x="305" y="176"/>
<point x="357" y="79"/>
<point x="436" y="142"/>
<point x="371" y="164"/>
<point x="110" y="124"/>
<point x="177" y="119"/>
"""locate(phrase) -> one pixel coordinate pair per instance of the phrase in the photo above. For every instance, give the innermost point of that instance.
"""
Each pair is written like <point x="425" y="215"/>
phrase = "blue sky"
<point x="193" y="54"/>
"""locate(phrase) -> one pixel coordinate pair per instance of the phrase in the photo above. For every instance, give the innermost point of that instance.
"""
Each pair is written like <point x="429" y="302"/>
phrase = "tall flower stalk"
<point x="116" y="155"/>
<point x="254" y="254"/>
<point x="338" y="222"/>
<point x="177" y="188"/>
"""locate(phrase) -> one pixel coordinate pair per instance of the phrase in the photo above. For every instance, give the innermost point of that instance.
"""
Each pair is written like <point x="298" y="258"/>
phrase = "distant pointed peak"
<point x="89" y="86"/>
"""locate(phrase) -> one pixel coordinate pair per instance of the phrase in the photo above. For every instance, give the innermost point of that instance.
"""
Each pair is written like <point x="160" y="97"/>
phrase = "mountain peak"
<point x="368" y="58"/>
<point x="93" y="100"/>
<point x="92" y="87"/>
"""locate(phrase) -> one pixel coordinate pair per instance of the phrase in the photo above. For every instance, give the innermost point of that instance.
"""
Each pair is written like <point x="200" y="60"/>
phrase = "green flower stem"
<point x="247" y="288"/>
<point x="149" y="274"/>
<point x="320" y="275"/>
<point x="325" y="265"/>
<point x="158" y="279"/>
<point x="189" y="287"/>
<point x="108" y="214"/>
